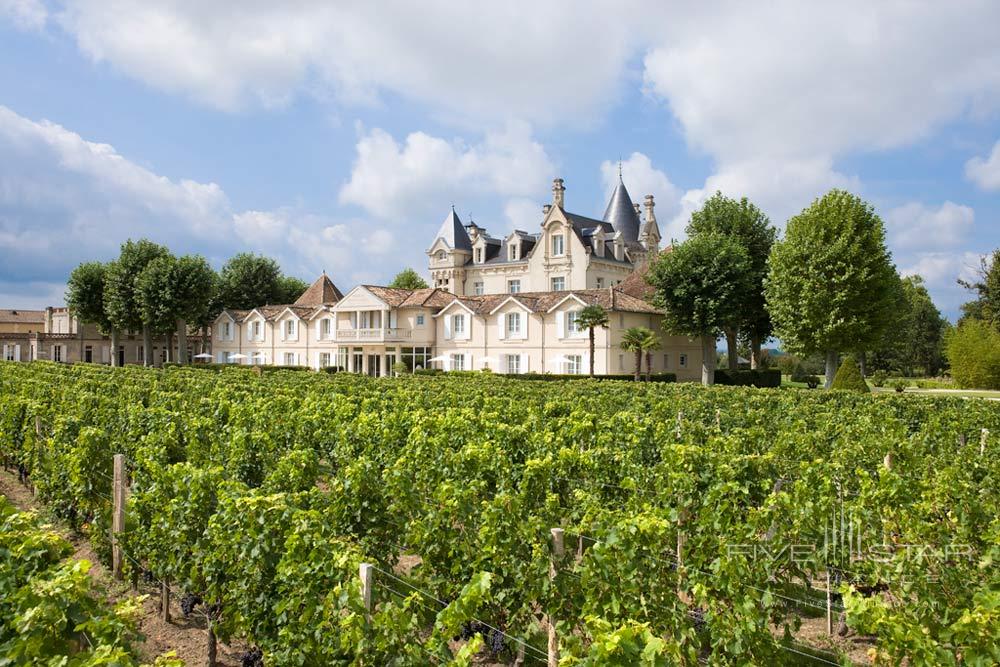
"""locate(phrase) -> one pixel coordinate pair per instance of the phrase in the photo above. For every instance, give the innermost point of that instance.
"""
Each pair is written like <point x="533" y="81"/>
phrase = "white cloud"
<point x="985" y="173"/>
<point x="64" y="200"/>
<point x="941" y="271"/>
<point x="917" y="226"/>
<point x="521" y="213"/>
<point x="473" y="60"/>
<point x="24" y="14"/>
<point x="416" y="179"/>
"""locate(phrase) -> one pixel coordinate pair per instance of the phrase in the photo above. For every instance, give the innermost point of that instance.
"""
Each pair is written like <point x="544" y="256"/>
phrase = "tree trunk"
<point x="210" y="648"/>
<point x="182" y="342"/>
<point x="114" y="347"/>
<point x="168" y="346"/>
<point x="649" y="365"/>
<point x="708" y="360"/>
<point x="755" y="345"/>
<point x="591" y="351"/>
<point x="831" y="367"/>
<point x="638" y="365"/>
<point x="147" y="346"/>
<point x="731" y="352"/>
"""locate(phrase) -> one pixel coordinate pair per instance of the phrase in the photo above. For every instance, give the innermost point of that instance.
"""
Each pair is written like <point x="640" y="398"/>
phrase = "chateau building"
<point x="508" y="304"/>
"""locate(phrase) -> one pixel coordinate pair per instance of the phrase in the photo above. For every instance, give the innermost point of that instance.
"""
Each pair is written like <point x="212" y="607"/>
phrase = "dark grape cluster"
<point x="495" y="640"/>
<point x="252" y="658"/>
<point x="188" y="602"/>
<point x="698" y="616"/>
<point x="147" y="576"/>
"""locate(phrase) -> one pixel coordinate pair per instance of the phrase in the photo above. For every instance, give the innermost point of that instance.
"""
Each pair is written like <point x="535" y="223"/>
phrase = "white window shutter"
<point x="319" y="329"/>
<point x="5" y="351"/>
<point x="468" y="328"/>
<point x="17" y="353"/>
<point x="447" y="327"/>
<point x="525" y="320"/>
<point x="560" y="324"/>
<point x="281" y="325"/>
<point x="501" y="326"/>
<point x="524" y="363"/>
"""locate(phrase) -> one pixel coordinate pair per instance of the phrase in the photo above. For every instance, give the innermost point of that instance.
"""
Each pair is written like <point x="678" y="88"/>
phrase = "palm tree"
<point x="632" y="341"/>
<point x="592" y="317"/>
<point x="650" y="342"/>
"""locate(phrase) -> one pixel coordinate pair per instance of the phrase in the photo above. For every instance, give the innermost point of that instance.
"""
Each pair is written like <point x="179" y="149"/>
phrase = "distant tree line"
<point x="147" y="289"/>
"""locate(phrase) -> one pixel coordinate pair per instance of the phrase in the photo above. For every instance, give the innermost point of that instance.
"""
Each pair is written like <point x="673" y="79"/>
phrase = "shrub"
<point x="812" y="381"/>
<point x="879" y="378"/>
<point x="428" y="371"/>
<point x="748" y="378"/>
<point x="333" y="369"/>
<point x="974" y="352"/>
<point x="848" y="377"/>
<point x="899" y="385"/>
<point x="400" y="368"/>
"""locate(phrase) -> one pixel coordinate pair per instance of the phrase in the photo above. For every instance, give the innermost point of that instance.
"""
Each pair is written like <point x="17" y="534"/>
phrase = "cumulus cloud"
<point x="473" y="60"/>
<point x="24" y="14"/>
<point x="941" y="272"/>
<point x="915" y="225"/>
<point x="64" y="200"/>
<point x="415" y="178"/>
<point x="985" y="173"/>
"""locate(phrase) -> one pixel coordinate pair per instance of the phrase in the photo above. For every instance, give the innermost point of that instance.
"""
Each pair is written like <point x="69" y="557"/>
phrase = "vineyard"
<point x="336" y="519"/>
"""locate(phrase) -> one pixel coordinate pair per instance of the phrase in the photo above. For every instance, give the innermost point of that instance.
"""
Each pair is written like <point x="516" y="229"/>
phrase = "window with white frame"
<point x="621" y="362"/>
<point x="479" y="256"/>
<point x="226" y="330"/>
<point x="325" y="327"/>
<point x="458" y="324"/>
<point x="57" y="354"/>
<point x="514" y="286"/>
<point x="558" y="245"/>
<point x="513" y="325"/>
<point x="573" y="322"/>
<point x="442" y="255"/>
<point x="512" y="252"/>
<point x="683" y="361"/>
<point x="558" y="284"/>
<point x="477" y="288"/>
<point x="458" y="362"/>
<point x="8" y="352"/>
<point x="513" y="364"/>
<point x="289" y="358"/>
<point x="600" y="283"/>
<point x="420" y="320"/>
<point x="324" y="359"/>
<point x="290" y="328"/>
<point x="666" y="361"/>
<point x="258" y="330"/>
<point x="574" y="364"/>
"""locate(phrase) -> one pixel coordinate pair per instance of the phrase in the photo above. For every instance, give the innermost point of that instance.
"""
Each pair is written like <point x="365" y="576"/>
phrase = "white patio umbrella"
<point x="442" y="358"/>
<point x="560" y="359"/>
<point x="238" y="356"/>
<point x="203" y="355"/>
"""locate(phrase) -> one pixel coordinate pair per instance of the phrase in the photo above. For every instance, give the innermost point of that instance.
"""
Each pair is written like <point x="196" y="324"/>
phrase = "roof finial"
<point x="453" y="207"/>
<point x="619" y="167"/>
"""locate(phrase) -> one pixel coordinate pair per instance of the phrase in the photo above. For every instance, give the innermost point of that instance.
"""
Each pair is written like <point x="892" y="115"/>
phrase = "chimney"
<point x="650" y="216"/>
<point x="558" y="191"/>
<point x="638" y="212"/>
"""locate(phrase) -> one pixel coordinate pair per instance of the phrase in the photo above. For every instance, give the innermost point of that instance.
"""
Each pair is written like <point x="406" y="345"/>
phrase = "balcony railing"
<point x="375" y="335"/>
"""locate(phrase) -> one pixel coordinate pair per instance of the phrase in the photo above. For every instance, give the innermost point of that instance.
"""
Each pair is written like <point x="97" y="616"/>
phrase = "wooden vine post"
<point x="558" y="549"/>
<point x="118" y="514"/>
<point x="983" y="436"/>
<point x="680" y="421"/>
<point x="165" y="599"/>
<point x="682" y="517"/>
<point x="829" y="603"/>
<point x="366" y="572"/>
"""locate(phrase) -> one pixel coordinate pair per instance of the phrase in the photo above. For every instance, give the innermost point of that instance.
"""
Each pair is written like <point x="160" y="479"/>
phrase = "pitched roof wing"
<point x="321" y="292"/>
<point x="453" y="233"/>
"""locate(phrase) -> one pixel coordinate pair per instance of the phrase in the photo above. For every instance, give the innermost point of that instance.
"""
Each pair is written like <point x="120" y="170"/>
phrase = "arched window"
<point x="442" y="255"/>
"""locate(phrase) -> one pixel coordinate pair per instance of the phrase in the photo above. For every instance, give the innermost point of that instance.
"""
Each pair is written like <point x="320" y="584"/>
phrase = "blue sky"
<point x="337" y="139"/>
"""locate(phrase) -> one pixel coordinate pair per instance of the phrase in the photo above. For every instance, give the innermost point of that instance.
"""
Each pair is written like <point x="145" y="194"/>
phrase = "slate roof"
<point x="453" y="233"/>
<point x="16" y="315"/>
<point x="430" y="297"/>
<point x="321" y="292"/>
<point x="621" y="214"/>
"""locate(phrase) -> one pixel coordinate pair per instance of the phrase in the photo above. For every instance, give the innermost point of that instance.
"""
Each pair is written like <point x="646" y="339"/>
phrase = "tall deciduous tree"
<point x="747" y="225"/>
<point x="986" y="286"/>
<point x="121" y="294"/>
<point x="700" y="284"/>
<point x="408" y="279"/>
<point x="248" y="281"/>
<point x="591" y="317"/>
<point x="176" y="291"/>
<point x="916" y="339"/>
<point x="85" y="299"/>
<point x="831" y="286"/>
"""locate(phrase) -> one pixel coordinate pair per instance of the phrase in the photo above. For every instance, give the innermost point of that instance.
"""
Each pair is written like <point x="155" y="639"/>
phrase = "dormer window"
<point x="558" y="245"/>
<point x="442" y="255"/>
<point x="513" y="252"/>
<point x="599" y="247"/>
<point x="478" y="258"/>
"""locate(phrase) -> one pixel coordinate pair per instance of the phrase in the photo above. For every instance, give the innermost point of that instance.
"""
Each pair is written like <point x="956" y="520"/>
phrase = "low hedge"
<point x="655" y="377"/>
<point x="767" y="377"/>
